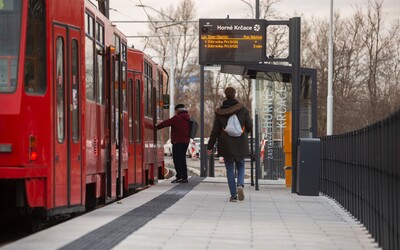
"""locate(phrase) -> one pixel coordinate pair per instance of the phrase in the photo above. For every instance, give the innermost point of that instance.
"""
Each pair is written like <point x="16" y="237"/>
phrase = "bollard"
<point x="288" y="176"/>
<point x="211" y="164"/>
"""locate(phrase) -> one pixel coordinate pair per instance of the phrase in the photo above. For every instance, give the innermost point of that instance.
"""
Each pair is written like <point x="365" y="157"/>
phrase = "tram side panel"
<point x="105" y="54"/>
<point x="136" y="145"/>
<point x="159" y="115"/>
<point x="145" y="72"/>
<point x="67" y="99"/>
<point x="151" y="169"/>
<point x="43" y="73"/>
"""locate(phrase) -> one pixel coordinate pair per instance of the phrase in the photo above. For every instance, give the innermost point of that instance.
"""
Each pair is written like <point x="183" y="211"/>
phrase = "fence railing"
<point x="274" y="167"/>
<point x="361" y="171"/>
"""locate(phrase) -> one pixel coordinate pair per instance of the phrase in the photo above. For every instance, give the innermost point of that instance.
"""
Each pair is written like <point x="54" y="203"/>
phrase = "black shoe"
<point x="176" y="181"/>
<point x="233" y="199"/>
<point x="184" y="181"/>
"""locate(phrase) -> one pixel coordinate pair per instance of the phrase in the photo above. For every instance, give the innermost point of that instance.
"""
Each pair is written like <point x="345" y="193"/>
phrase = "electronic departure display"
<point x="231" y="41"/>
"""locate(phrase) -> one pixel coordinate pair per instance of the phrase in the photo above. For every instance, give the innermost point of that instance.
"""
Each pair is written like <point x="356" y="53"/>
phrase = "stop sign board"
<point x="231" y="41"/>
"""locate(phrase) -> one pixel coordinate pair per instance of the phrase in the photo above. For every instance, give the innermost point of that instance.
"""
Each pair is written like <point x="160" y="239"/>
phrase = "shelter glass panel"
<point x="274" y="109"/>
<point x="273" y="105"/>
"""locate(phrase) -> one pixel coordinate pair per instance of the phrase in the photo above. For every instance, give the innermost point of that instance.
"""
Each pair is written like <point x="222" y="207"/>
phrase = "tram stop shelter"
<point x="273" y="115"/>
<point x="285" y="96"/>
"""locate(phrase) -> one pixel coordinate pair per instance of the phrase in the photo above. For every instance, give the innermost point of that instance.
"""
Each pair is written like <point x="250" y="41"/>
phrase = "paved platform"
<point x="198" y="215"/>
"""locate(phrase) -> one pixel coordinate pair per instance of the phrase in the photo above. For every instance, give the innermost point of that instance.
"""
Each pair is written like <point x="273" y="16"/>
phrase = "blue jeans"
<point x="230" y="174"/>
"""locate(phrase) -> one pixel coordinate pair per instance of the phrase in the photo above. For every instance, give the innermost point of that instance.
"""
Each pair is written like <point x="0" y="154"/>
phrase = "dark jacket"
<point x="231" y="148"/>
<point x="179" y="124"/>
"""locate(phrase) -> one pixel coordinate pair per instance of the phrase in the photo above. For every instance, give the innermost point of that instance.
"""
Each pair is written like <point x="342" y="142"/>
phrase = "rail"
<point x="361" y="171"/>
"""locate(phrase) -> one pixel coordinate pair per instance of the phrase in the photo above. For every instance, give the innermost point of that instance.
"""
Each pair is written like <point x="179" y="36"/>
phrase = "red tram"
<point x="78" y="109"/>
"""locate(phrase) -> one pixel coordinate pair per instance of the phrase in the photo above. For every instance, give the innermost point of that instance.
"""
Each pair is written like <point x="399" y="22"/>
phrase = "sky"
<point x="127" y="10"/>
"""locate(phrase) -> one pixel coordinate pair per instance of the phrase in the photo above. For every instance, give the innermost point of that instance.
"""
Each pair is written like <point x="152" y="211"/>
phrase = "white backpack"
<point x="233" y="127"/>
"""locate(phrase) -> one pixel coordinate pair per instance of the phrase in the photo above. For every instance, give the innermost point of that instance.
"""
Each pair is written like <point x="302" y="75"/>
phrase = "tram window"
<point x="130" y="110"/>
<point x="35" y="60"/>
<point x="148" y="76"/>
<point x="116" y="100"/>
<point x="75" y="91"/>
<point x="123" y="54"/>
<point x="159" y="95"/>
<point x="10" y="35"/>
<point x="89" y="69"/>
<point x="124" y="101"/>
<point x="8" y="74"/>
<point x="123" y="76"/>
<point x="89" y="57"/>
<point x="145" y="90"/>
<point x="89" y="24"/>
<point x="99" y="33"/>
<point x="138" y="116"/>
<point x="100" y="62"/>
<point x="117" y="44"/>
<point x="100" y="74"/>
<point x="60" y="116"/>
<point x="7" y="5"/>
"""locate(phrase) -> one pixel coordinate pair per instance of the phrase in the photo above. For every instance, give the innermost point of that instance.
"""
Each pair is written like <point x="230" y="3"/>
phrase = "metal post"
<point x="171" y="78"/>
<point x="203" y="162"/>
<point x="212" y="165"/>
<point x="252" y="153"/>
<point x="257" y="9"/>
<point x="294" y="38"/>
<point x="329" y="105"/>
<point x="253" y="112"/>
<point x="257" y="151"/>
<point x="107" y="7"/>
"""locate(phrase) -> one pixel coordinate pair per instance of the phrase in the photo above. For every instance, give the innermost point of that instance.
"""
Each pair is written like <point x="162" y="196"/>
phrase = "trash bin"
<point x="308" y="166"/>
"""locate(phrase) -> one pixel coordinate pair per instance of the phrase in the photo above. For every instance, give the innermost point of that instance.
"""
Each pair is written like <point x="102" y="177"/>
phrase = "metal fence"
<point x="274" y="168"/>
<point x="361" y="171"/>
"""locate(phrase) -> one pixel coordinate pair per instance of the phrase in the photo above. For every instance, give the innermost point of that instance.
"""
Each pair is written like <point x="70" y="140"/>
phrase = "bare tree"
<point x="375" y="42"/>
<point x="366" y="67"/>
<point x="267" y="9"/>
<point x="390" y="70"/>
<point x="177" y="27"/>
<point x="366" y="61"/>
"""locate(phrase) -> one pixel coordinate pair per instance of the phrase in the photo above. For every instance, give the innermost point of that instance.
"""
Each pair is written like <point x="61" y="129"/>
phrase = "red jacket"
<point x="179" y="124"/>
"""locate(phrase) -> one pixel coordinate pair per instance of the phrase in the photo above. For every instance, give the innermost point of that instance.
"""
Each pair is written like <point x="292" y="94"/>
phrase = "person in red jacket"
<point x="180" y="139"/>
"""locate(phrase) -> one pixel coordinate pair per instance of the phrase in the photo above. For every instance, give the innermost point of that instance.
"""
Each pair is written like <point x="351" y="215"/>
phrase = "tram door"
<point x="135" y="159"/>
<point x="112" y="124"/>
<point x="137" y="124"/>
<point x="154" y="150"/>
<point x="67" y="105"/>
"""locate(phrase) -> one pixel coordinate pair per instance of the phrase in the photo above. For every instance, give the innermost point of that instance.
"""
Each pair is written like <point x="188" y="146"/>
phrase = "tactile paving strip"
<point x="112" y="233"/>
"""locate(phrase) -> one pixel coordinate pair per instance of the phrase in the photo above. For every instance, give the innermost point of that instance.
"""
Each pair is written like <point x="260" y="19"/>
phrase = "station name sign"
<point x="231" y="41"/>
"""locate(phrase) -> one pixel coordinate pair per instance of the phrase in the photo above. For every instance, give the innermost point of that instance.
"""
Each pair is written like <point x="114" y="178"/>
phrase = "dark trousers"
<point x="179" y="157"/>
